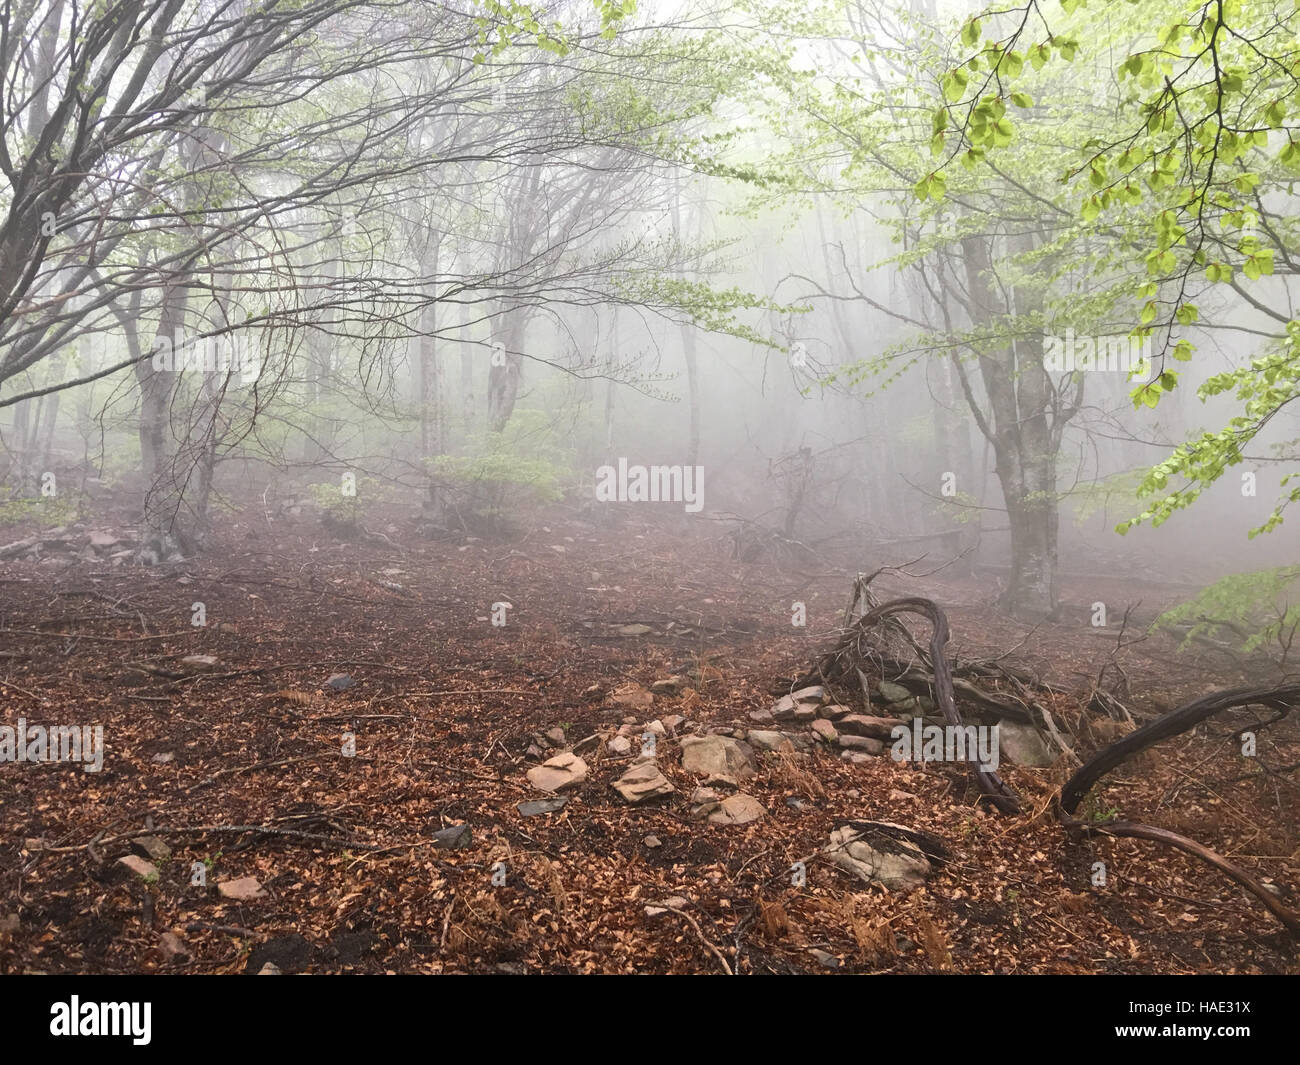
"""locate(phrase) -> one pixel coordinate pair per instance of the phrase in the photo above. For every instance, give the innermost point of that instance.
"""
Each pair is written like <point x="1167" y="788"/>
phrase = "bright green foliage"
<point x="496" y="473"/>
<point x="1248" y="611"/>
<point x="1206" y="149"/>
<point x="57" y="510"/>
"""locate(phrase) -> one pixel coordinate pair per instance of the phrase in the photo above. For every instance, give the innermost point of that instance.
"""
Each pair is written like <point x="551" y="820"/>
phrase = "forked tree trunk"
<point x="1024" y="438"/>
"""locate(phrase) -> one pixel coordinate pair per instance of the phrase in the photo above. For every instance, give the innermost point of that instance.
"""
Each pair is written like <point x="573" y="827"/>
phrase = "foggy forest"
<point x="725" y="487"/>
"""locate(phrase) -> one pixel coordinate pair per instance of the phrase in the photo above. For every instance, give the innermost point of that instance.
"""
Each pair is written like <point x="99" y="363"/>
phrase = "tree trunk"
<point x="688" y="353"/>
<point x="1025" y="441"/>
<point x="432" y="435"/>
<point x="503" y="379"/>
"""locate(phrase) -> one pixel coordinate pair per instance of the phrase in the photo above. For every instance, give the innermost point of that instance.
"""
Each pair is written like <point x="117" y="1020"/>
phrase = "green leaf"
<point x="954" y="85"/>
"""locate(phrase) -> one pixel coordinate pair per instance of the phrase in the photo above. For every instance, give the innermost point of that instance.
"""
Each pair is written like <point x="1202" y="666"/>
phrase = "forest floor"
<point x="238" y="764"/>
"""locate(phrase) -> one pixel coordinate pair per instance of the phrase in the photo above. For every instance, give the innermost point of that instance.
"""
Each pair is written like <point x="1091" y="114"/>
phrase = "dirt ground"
<point x="239" y="765"/>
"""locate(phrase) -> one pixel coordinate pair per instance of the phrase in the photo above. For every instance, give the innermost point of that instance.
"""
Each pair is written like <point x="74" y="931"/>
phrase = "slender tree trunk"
<point x="504" y="374"/>
<point x="467" y="405"/>
<point x="688" y="354"/>
<point x="1024" y="440"/>
<point x="432" y="432"/>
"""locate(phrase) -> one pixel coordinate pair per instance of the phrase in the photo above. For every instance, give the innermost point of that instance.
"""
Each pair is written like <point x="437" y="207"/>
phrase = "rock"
<point x="152" y="847"/>
<point x="804" y="713"/>
<point x="453" y="837"/>
<point x="833" y="711"/>
<point x="669" y="685"/>
<point x="556" y="736"/>
<point x="163" y="757"/>
<point x="762" y="740"/>
<point x="762" y="717"/>
<point x="672" y="722"/>
<point x="704" y="795"/>
<point x="861" y="743"/>
<point x="878" y="728"/>
<point x="898" y="865"/>
<point x="536" y="807"/>
<point x="635" y="629"/>
<point x="829" y="961"/>
<point x="103" y="539"/>
<point x="139" y="866"/>
<point x="270" y="969"/>
<point x="242" y="889"/>
<point x="855" y="757"/>
<point x="738" y="809"/>
<point x="893" y="693"/>
<point x="900" y="796"/>
<point x="795" y="803"/>
<point x="562" y="771"/>
<point x="788" y="706"/>
<point x="653" y="842"/>
<point x="340" y="682"/>
<point x="656" y="726"/>
<point x="718" y="758"/>
<point x="631" y="697"/>
<point x="658" y="909"/>
<point x="620" y="745"/>
<point x="1024" y="745"/>
<point x="642" y="782"/>
<point x="824" y="731"/>
<point x="200" y="663"/>
<point x="173" y="947"/>
<point x="533" y="751"/>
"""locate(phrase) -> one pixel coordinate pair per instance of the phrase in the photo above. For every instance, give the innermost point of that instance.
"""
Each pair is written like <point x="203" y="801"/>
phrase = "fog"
<point x="373" y="329"/>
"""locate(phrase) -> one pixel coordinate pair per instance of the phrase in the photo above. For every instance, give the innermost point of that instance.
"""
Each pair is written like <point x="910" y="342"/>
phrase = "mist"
<point x="736" y="478"/>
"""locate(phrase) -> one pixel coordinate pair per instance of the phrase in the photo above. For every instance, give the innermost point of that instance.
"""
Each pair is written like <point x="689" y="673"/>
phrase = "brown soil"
<point x="443" y="708"/>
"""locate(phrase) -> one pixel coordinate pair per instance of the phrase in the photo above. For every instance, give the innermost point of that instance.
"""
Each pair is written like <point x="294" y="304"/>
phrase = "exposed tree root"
<point x="930" y="667"/>
<point x="1132" y="830"/>
<point x="990" y="784"/>
<point x="1170" y="724"/>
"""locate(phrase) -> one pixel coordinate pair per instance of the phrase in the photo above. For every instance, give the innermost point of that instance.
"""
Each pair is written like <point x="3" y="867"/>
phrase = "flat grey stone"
<point x="535" y="807"/>
<point x="453" y="837"/>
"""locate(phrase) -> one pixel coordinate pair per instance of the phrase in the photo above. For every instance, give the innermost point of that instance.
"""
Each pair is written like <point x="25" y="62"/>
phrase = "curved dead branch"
<point x="1170" y="724"/>
<point x="989" y="782"/>
<point x="1133" y="830"/>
